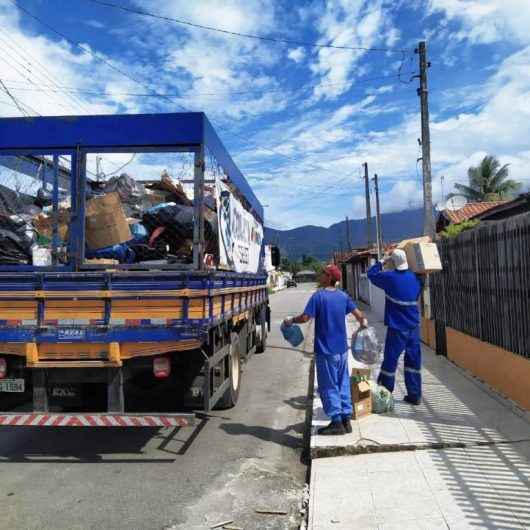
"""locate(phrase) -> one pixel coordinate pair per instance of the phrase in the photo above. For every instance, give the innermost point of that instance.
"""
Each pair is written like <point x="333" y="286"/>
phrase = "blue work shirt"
<point x="329" y="308"/>
<point x="402" y="290"/>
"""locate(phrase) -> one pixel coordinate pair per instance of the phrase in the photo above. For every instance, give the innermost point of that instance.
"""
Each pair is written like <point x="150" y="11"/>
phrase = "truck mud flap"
<point x="97" y="420"/>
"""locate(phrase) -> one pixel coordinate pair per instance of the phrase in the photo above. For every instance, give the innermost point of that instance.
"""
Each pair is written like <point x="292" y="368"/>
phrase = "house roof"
<point x="469" y="211"/>
<point x="509" y="208"/>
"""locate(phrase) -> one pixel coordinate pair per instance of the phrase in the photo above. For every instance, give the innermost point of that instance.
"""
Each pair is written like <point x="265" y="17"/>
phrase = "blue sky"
<point x="299" y="121"/>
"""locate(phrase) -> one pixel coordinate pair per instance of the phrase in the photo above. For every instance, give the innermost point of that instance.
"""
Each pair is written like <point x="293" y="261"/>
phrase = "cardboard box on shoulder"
<point x="422" y="254"/>
<point x="423" y="257"/>
<point x="105" y="222"/>
<point x="361" y="394"/>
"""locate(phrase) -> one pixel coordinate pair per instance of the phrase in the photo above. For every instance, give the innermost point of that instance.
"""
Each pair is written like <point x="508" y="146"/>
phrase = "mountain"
<point x="321" y="242"/>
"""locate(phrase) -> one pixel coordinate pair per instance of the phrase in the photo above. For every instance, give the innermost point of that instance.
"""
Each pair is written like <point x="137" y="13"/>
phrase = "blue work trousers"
<point x="333" y="380"/>
<point x="396" y="342"/>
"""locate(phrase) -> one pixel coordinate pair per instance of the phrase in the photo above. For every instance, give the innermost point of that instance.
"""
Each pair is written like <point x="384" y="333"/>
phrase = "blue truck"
<point x="87" y="343"/>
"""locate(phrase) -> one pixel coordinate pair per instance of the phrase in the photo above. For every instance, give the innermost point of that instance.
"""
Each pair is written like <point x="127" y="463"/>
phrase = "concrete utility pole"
<point x="428" y="223"/>
<point x="98" y="168"/>
<point x="378" y="228"/>
<point x="368" y="207"/>
<point x="348" y="238"/>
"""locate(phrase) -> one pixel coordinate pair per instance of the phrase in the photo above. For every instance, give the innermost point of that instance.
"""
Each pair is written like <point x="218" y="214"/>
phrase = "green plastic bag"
<point x="382" y="399"/>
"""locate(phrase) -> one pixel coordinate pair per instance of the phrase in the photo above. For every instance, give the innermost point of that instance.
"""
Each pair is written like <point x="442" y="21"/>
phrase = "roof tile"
<point x="471" y="210"/>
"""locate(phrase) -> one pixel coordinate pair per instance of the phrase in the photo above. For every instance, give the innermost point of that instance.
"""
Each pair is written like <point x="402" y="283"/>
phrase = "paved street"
<point x="225" y="468"/>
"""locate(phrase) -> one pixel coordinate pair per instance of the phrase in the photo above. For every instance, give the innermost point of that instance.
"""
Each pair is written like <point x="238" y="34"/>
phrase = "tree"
<point x="309" y="262"/>
<point x="290" y="266"/>
<point x="487" y="182"/>
<point x="453" y="230"/>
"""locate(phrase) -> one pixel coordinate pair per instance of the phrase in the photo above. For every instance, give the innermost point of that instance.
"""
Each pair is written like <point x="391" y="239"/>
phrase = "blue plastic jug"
<point x="292" y="334"/>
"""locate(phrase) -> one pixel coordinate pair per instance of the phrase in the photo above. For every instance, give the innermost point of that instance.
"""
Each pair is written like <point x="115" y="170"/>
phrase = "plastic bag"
<point x="292" y="334"/>
<point x="120" y="252"/>
<point x="365" y="347"/>
<point x="382" y="399"/>
<point x="130" y="191"/>
<point x="139" y="232"/>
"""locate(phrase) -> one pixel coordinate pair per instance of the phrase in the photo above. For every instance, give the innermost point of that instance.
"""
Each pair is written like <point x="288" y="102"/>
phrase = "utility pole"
<point x="428" y="220"/>
<point x="368" y="207"/>
<point x="348" y="238"/>
<point x="98" y="168"/>
<point x="379" y="235"/>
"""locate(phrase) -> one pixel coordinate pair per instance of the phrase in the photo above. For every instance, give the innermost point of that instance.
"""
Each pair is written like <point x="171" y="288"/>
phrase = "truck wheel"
<point x="261" y="333"/>
<point x="231" y="395"/>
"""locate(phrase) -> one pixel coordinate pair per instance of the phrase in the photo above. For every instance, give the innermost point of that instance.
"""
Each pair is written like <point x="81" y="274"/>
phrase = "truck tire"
<point x="231" y="395"/>
<point x="261" y="332"/>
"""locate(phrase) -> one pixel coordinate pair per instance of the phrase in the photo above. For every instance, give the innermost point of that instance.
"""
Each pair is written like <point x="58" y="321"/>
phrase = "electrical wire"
<point x="266" y="38"/>
<point x="13" y="98"/>
<point x="121" y="167"/>
<point x="36" y="65"/>
<point x="86" y="50"/>
<point x="66" y="89"/>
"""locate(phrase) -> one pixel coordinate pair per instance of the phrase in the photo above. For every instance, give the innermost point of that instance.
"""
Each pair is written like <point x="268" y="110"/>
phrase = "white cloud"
<point x="296" y="54"/>
<point x="94" y="24"/>
<point x="220" y="74"/>
<point x="355" y="23"/>
<point x="487" y="21"/>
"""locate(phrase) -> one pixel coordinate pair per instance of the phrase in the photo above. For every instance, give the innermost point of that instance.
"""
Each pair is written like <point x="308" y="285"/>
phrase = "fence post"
<point x="477" y="279"/>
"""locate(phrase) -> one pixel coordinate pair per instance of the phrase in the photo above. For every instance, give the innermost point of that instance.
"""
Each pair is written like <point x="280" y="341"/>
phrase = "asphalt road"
<point x="224" y="468"/>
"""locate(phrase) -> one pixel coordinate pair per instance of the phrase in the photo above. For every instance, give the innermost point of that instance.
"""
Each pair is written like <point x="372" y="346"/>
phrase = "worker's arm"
<point x="309" y="313"/>
<point x="300" y="319"/>
<point x="361" y="318"/>
<point x="377" y="276"/>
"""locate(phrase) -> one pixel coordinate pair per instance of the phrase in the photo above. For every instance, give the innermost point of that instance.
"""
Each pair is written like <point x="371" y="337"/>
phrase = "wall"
<point x="505" y="371"/>
<point x="377" y="301"/>
<point x="428" y="333"/>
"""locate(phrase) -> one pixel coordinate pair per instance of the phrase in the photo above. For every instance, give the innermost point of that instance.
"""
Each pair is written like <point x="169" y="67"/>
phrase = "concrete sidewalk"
<point x="459" y="460"/>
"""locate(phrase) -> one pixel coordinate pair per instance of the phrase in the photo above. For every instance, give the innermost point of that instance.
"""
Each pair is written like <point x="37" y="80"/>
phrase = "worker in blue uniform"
<point x="402" y="289"/>
<point x="329" y="307"/>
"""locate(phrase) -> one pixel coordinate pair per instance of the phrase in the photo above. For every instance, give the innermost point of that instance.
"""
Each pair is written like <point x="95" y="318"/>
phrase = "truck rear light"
<point x="3" y="368"/>
<point x="161" y="367"/>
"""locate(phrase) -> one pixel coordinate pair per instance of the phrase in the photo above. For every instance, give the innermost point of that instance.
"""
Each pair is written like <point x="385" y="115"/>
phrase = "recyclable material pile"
<point x="126" y="222"/>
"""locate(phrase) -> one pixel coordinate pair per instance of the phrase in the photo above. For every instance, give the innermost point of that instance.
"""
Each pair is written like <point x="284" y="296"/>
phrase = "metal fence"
<point x="484" y="288"/>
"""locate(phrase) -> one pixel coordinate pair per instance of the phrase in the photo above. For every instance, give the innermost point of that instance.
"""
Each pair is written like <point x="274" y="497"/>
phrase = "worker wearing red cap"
<point x="329" y="307"/>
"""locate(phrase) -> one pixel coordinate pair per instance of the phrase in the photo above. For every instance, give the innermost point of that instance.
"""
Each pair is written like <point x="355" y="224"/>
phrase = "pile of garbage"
<point x="126" y="221"/>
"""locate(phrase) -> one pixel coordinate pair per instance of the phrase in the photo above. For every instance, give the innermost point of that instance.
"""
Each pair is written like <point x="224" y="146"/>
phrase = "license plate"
<point x="12" y="385"/>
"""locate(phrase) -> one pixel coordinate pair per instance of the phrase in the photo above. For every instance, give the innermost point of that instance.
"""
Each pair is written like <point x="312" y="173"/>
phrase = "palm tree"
<point x="487" y="182"/>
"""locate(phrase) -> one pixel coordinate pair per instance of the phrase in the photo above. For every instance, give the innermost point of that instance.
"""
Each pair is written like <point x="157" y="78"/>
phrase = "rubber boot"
<point x="411" y="400"/>
<point x="335" y="428"/>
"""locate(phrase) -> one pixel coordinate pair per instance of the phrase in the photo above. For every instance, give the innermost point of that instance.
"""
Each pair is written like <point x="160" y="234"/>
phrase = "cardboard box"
<point x="154" y="197"/>
<point x="362" y="408"/>
<point x="421" y="239"/>
<point x="361" y="394"/>
<point x="101" y="261"/>
<point x="423" y="257"/>
<point x="44" y="224"/>
<point x="105" y="222"/>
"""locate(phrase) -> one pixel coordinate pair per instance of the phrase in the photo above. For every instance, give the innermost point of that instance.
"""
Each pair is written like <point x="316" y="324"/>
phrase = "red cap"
<point x="333" y="272"/>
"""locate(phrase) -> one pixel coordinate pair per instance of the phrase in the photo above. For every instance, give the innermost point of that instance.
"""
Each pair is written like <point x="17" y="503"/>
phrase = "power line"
<point x="87" y="50"/>
<point x="67" y="89"/>
<point x="266" y="38"/>
<point x="36" y="65"/>
<point x="122" y="166"/>
<point x="13" y="98"/>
